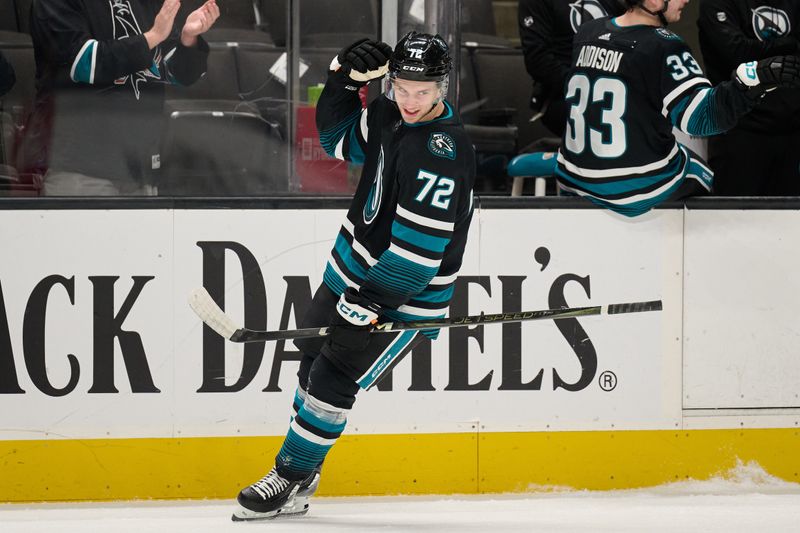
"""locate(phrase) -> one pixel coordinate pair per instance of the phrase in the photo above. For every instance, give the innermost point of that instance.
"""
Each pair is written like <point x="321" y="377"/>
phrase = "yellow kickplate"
<point x="454" y="463"/>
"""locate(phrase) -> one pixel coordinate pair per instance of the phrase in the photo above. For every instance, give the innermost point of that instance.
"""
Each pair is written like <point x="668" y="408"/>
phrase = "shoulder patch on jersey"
<point x="442" y="144"/>
<point x="666" y="34"/>
<point x="722" y="16"/>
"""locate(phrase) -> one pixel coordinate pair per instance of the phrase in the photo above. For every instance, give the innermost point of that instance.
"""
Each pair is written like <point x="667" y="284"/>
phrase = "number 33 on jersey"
<point x="629" y="86"/>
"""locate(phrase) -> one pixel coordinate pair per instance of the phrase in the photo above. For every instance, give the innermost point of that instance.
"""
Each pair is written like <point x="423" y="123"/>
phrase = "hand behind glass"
<point x="162" y="26"/>
<point x="199" y="21"/>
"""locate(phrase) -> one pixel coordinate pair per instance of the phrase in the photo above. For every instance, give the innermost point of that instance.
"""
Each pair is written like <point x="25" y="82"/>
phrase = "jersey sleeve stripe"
<point x="83" y="67"/>
<point x="401" y="275"/>
<point x="360" y="253"/>
<point x="443" y="280"/>
<point x="168" y="74"/>
<point x="615" y="172"/>
<point x="364" y="126"/>
<point x="332" y="140"/>
<point x="363" y="254"/>
<point x="427" y="230"/>
<point x="697" y="119"/>
<point x="334" y="280"/>
<point x="346" y="280"/>
<point x="424" y="221"/>
<point x="415" y="258"/>
<point x="394" y="242"/>
<point x="354" y="149"/>
<point x="679" y="90"/>
<point x="338" y="152"/>
<point x="342" y="252"/>
<point x="419" y="239"/>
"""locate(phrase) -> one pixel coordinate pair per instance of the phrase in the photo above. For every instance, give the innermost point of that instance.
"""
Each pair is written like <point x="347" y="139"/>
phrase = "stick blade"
<point x="210" y="313"/>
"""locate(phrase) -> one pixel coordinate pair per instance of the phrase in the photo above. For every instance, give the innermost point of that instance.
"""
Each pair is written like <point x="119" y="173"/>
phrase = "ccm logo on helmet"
<point x="412" y="68"/>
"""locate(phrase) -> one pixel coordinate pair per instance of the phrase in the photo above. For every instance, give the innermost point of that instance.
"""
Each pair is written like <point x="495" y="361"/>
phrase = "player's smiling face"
<point x="415" y="99"/>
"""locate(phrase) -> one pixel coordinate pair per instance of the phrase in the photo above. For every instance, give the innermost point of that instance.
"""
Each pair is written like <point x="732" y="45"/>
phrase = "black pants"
<point x="746" y="163"/>
<point x="336" y="377"/>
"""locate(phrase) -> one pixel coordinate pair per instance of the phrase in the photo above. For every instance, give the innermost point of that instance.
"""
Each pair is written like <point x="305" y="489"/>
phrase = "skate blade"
<point x="294" y="510"/>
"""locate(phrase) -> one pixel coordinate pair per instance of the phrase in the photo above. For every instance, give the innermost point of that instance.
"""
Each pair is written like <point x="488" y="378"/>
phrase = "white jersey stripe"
<point x="362" y="252"/>
<point x="87" y="44"/>
<point x="679" y="90"/>
<point x="617" y="172"/>
<point x="443" y="280"/>
<point x="348" y="226"/>
<point x="687" y="114"/>
<point x="425" y="221"/>
<point x="339" y="151"/>
<point x="94" y="62"/>
<point x="363" y="126"/>
<point x="350" y="282"/>
<point x="411" y="256"/>
<point x="635" y="198"/>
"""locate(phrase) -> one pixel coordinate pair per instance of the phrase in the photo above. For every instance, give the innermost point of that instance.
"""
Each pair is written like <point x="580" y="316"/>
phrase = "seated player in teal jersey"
<point x="632" y="81"/>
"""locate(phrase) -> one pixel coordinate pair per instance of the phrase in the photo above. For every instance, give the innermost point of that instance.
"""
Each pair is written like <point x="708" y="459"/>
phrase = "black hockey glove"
<point x="353" y="322"/>
<point x="363" y="60"/>
<point x="763" y="76"/>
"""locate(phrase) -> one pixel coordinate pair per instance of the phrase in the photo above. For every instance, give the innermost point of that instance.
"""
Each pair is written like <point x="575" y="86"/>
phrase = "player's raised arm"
<point x="343" y="126"/>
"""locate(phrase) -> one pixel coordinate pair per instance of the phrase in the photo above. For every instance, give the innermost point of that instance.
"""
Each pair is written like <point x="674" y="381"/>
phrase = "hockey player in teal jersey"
<point x="631" y="82"/>
<point x="396" y="255"/>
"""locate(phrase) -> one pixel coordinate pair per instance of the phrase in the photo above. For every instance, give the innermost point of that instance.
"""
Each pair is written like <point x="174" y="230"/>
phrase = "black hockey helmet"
<point x="420" y="57"/>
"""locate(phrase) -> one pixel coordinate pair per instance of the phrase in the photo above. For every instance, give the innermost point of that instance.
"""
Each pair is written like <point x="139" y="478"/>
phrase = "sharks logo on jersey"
<point x="126" y="26"/>
<point x="442" y="145"/>
<point x="770" y="22"/>
<point x="373" y="203"/>
<point x="583" y="11"/>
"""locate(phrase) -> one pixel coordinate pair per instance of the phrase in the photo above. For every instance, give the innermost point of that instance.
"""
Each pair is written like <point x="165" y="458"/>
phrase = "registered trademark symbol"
<point x="607" y="381"/>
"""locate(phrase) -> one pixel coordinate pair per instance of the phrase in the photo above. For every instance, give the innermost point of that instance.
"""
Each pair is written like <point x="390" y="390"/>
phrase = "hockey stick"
<point x="205" y="307"/>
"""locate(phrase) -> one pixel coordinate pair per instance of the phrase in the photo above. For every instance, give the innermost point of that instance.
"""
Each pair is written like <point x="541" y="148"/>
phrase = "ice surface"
<point x="745" y="500"/>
